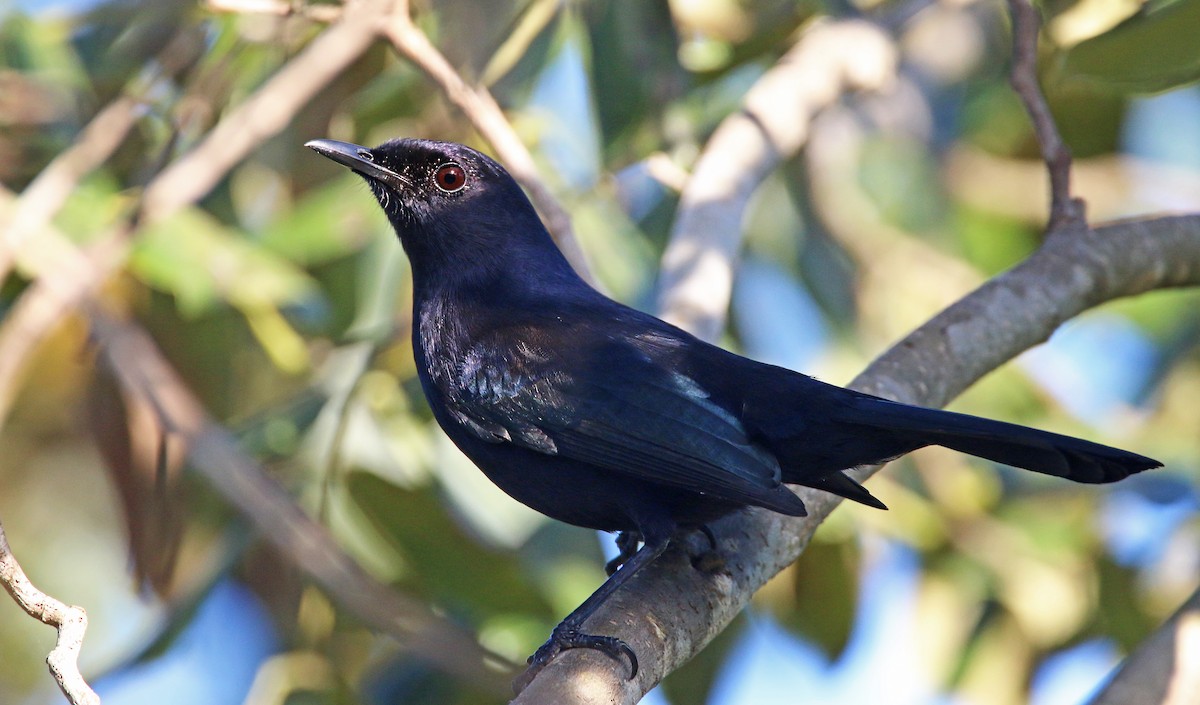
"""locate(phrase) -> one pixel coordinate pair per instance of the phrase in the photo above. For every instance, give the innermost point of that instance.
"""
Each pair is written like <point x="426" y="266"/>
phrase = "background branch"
<point x="139" y="366"/>
<point x="1165" y="668"/>
<point x="832" y="58"/>
<point x="70" y="621"/>
<point x="72" y="278"/>
<point x="485" y="114"/>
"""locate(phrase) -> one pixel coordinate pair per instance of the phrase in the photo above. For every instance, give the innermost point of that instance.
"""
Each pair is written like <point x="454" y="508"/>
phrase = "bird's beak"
<point x="357" y="158"/>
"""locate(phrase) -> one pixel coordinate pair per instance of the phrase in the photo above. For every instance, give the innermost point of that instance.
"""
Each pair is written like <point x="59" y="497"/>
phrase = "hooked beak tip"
<point x="355" y="157"/>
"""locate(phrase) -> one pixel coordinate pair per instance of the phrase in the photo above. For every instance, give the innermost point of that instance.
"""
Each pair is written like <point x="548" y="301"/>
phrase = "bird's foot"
<point x="565" y="637"/>
<point x="709" y="561"/>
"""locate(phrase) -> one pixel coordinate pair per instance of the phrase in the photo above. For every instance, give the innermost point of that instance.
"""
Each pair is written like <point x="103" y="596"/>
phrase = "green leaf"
<point x="1155" y="50"/>
<point x="201" y="263"/>
<point x="823" y="595"/>
<point x="447" y="564"/>
<point x="96" y="203"/>
<point x="329" y="223"/>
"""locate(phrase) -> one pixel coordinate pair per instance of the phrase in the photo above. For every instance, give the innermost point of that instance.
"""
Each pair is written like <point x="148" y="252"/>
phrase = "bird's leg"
<point x="627" y="543"/>
<point x="567" y="634"/>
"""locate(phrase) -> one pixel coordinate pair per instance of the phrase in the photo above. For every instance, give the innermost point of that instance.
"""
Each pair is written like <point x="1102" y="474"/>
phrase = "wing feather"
<point x="617" y="408"/>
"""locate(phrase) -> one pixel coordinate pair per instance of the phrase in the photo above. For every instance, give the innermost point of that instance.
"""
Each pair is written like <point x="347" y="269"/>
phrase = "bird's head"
<point x="451" y="205"/>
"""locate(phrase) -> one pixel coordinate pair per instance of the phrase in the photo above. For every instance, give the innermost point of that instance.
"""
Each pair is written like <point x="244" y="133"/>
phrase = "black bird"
<point x="605" y="417"/>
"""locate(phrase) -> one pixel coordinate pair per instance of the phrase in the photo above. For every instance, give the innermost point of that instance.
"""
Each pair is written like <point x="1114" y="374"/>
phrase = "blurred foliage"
<point x="284" y="303"/>
<point x="1154" y="50"/>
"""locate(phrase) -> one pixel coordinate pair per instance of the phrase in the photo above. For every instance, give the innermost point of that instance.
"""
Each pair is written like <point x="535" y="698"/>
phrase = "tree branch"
<point x="140" y="368"/>
<point x="266" y="112"/>
<point x="485" y="114"/>
<point x="1064" y="210"/>
<point x="1165" y="668"/>
<point x="697" y="267"/>
<point x="70" y="621"/>
<point x="671" y="610"/>
<point x="279" y="8"/>
<point x="75" y="276"/>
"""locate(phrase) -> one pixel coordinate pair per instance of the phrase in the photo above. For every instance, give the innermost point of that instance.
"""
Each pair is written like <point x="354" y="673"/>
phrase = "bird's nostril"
<point x="366" y="154"/>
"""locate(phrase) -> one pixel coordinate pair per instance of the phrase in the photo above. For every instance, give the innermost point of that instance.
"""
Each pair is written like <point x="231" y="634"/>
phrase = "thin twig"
<point x="70" y="621"/>
<point x="60" y="288"/>
<point x="485" y="114"/>
<point x="266" y="112"/>
<point x="48" y="192"/>
<point x="1065" y="211"/>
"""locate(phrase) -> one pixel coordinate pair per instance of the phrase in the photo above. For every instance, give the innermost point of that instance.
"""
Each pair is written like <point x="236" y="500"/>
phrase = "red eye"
<point x="450" y="178"/>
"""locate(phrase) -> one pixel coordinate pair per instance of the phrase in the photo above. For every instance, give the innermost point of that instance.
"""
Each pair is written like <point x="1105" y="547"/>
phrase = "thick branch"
<point x="70" y="621"/>
<point x="671" y="610"/>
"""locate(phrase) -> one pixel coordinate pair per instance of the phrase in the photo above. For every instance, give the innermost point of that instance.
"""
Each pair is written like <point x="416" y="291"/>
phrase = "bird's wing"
<point x="612" y="404"/>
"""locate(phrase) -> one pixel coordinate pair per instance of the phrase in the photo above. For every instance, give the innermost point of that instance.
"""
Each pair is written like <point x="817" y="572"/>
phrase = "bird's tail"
<point x="1010" y="444"/>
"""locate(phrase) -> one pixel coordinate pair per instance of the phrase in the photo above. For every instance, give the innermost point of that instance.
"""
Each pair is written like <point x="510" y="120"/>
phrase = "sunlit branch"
<point x="697" y="266"/>
<point x="70" y="621"/>
<point x="280" y="8"/>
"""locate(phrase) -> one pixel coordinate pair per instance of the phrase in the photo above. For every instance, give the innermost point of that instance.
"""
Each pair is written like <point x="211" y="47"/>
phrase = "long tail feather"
<point x="1019" y="446"/>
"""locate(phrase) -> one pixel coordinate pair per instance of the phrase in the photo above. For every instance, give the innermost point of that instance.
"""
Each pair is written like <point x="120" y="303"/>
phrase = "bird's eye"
<point x="450" y="178"/>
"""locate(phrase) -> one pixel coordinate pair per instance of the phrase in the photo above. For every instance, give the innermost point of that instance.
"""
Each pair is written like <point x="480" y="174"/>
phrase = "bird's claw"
<point x="565" y="638"/>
